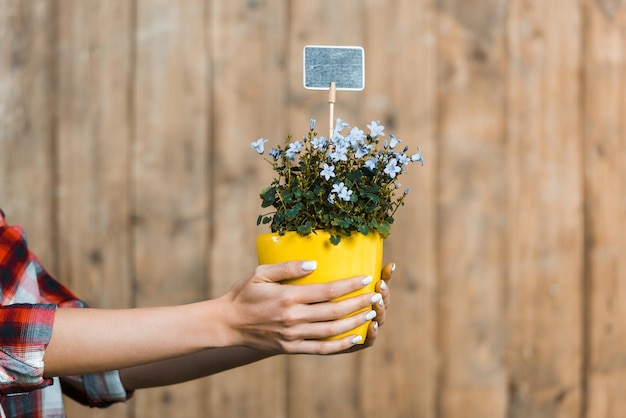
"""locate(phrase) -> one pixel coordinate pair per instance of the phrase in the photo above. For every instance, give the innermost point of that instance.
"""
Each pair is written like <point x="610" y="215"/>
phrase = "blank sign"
<point x="345" y="65"/>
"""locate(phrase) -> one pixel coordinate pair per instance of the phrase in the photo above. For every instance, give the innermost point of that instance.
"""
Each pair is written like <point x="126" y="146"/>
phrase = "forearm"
<point x="189" y="367"/>
<point x="94" y="340"/>
<point x="257" y="312"/>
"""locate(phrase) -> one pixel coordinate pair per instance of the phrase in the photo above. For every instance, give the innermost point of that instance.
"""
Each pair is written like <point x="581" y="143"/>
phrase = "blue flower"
<point x="403" y="159"/>
<point x="293" y="150"/>
<point x="362" y="150"/>
<point x="392" y="168"/>
<point x="340" y="125"/>
<point x="372" y="164"/>
<point x="418" y="157"/>
<point x="258" y="145"/>
<point x="319" y="142"/>
<point x="337" y="138"/>
<point x="328" y="172"/>
<point x="339" y="154"/>
<point x="355" y="136"/>
<point x="393" y="141"/>
<point x="312" y="124"/>
<point x="345" y="194"/>
<point x="275" y="153"/>
<point x="342" y="191"/>
<point x="376" y="129"/>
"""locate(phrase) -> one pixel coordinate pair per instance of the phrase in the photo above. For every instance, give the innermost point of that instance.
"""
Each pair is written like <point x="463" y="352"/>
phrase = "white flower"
<point x="328" y="171"/>
<point x="392" y="168"/>
<point x="258" y="145"/>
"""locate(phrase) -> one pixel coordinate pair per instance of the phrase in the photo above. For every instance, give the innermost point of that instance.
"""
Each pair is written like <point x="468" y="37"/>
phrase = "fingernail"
<point x="376" y="298"/>
<point x="370" y="315"/>
<point x="381" y="303"/>
<point x="309" y="265"/>
<point x="356" y="339"/>
<point x="366" y="281"/>
<point x="383" y="285"/>
<point x="393" y="267"/>
<point x="375" y="325"/>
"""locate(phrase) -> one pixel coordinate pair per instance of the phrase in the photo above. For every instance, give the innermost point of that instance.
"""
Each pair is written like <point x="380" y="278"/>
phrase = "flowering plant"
<point x="340" y="185"/>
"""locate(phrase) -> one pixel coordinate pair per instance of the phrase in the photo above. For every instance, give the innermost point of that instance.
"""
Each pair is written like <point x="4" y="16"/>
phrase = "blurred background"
<point x="124" y="152"/>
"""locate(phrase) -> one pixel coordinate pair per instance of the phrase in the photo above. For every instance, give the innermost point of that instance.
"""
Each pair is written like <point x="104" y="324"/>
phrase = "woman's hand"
<point x="208" y="362"/>
<point x="260" y="312"/>
<point x="382" y="287"/>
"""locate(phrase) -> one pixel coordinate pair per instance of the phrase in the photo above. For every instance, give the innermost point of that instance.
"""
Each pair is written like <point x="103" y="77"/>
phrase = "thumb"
<point x="287" y="270"/>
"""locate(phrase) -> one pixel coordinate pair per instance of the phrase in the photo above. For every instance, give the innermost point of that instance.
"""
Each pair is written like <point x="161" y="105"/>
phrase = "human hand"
<point x="382" y="287"/>
<point x="260" y="312"/>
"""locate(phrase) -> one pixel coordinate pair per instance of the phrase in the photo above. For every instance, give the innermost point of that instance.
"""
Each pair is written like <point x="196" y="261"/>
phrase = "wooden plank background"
<point x="124" y="132"/>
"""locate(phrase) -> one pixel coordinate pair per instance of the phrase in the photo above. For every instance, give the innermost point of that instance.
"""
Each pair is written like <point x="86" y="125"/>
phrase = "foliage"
<point x="342" y="185"/>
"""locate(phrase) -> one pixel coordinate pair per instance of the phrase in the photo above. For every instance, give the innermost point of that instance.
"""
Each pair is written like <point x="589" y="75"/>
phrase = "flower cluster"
<point x="341" y="184"/>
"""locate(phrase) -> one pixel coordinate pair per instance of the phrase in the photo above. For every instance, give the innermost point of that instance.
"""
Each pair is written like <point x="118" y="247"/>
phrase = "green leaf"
<point x="335" y="239"/>
<point x="268" y="195"/>
<point x="384" y="229"/>
<point x="304" y="229"/>
<point x="293" y="211"/>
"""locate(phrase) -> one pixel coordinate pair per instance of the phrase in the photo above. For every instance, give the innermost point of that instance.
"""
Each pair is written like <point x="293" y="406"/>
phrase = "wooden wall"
<point x="124" y="132"/>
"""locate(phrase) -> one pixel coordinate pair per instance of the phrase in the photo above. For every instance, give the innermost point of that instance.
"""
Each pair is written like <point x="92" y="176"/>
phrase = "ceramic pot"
<point x="355" y="255"/>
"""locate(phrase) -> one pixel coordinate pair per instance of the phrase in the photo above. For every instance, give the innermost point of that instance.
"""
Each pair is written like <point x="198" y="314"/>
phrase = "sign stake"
<point x="332" y="96"/>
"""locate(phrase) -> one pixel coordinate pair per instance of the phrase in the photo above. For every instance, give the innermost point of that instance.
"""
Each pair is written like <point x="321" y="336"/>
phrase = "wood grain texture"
<point x="605" y="169"/>
<point x="27" y="120"/>
<point x="546" y="228"/>
<point x="471" y="223"/>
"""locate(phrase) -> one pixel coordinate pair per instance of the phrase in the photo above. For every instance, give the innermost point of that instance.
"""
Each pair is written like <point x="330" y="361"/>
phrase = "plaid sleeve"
<point x="97" y="389"/>
<point x="25" y="332"/>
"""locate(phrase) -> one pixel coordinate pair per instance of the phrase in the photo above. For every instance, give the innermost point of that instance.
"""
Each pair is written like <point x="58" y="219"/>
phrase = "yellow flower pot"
<point x="355" y="255"/>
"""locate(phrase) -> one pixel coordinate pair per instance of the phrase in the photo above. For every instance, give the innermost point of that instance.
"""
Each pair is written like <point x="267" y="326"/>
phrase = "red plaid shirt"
<point x="29" y="297"/>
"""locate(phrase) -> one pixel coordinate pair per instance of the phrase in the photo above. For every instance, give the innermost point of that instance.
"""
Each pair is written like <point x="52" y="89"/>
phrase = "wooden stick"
<point x="332" y="93"/>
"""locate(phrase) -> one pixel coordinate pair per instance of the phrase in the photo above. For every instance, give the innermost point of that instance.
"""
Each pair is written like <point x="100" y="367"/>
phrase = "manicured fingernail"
<point x="381" y="303"/>
<point x="366" y="281"/>
<point x="393" y="267"/>
<point x="375" y="325"/>
<point x="383" y="285"/>
<point x="356" y="339"/>
<point x="376" y="298"/>
<point x="370" y="315"/>
<point x="309" y="265"/>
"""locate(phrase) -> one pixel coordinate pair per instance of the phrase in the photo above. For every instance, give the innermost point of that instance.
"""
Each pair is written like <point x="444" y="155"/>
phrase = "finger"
<point x="388" y="271"/>
<point x="323" y="292"/>
<point x="383" y="289"/>
<point x="321" y="330"/>
<point x="370" y="339"/>
<point x="322" y="347"/>
<point x="283" y="271"/>
<point x="372" y="333"/>
<point x="381" y="309"/>
<point x="331" y="311"/>
<point x="383" y="285"/>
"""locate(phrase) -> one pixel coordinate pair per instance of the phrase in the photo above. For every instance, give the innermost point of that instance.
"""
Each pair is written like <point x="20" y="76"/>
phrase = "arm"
<point x="209" y="362"/>
<point x="257" y="312"/>
<point x="189" y="367"/>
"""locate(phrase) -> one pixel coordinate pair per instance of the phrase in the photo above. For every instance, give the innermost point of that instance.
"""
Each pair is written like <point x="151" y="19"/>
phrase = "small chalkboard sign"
<point x="343" y="65"/>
